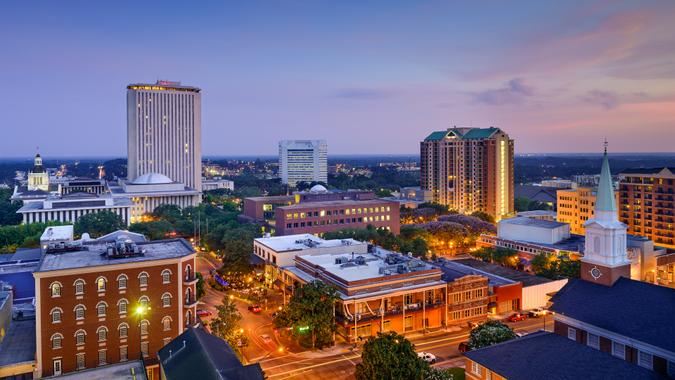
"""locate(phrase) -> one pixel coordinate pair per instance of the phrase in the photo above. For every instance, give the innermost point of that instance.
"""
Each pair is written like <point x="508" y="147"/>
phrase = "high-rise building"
<point x="303" y="161"/>
<point x="469" y="169"/>
<point x="647" y="203"/>
<point x="164" y="127"/>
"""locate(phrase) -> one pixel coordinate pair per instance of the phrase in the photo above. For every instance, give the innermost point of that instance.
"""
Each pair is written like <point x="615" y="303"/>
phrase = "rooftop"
<point x="544" y="355"/>
<point x="463" y="133"/>
<point x="93" y="256"/>
<point x="303" y="241"/>
<point x="653" y="171"/>
<point x="132" y="370"/>
<point x="162" y="85"/>
<point x="453" y="270"/>
<point x="19" y="344"/>
<point x="336" y="203"/>
<point x="507" y="273"/>
<point x="57" y="233"/>
<point x="531" y="222"/>
<point x="613" y="308"/>
<point x="152" y="179"/>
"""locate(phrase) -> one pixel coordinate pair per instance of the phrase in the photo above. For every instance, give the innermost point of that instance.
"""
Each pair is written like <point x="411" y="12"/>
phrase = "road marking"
<point x="314" y="366"/>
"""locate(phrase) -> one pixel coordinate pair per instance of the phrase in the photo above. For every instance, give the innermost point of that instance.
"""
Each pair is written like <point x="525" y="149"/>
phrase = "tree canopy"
<point x="553" y="267"/>
<point x="226" y="325"/>
<point x="8" y="215"/>
<point x="390" y="356"/>
<point x="99" y="223"/>
<point x="489" y="333"/>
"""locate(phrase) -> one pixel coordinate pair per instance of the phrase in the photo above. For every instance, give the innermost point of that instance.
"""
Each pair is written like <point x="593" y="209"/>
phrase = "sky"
<point x="370" y="77"/>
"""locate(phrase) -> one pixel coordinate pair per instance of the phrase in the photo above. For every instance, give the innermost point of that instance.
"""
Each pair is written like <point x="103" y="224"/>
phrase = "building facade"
<point x="469" y="169"/>
<point x="164" y="126"/>
<point x="70" y="207"/>
<point x="576" y="206"/>
<point x="38" y="178"/>
<point x="647" y="204"/>
<point x="108" y="302"/>
<point x="303" y="161"/>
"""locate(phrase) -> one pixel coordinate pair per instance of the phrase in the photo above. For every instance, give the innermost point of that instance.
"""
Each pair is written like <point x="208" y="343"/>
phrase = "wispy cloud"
<point x="512" y="93"/>
<point x="610" y="99"/>
<point x="359" y="93"/>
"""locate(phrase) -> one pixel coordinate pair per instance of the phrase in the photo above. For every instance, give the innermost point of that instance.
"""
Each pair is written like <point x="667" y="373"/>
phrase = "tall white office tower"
<point x="303" y="160"/>
<point x="164" y="128"/>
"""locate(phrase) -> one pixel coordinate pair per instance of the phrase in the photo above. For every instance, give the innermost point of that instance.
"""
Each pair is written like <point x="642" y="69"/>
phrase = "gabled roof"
<point x="480" y="133"/>
<point x="463" y="133"/>
<point x="435" y="136"/>
<point x="634" y="309"/>
<point x="545" y="355"/>
<point x="196" y="354"/>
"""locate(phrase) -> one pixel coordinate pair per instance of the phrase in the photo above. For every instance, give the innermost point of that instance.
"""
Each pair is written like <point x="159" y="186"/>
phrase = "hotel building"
<point x="575" y="207"/>
<point x="102" y="302"/>
<point x="647" y="204"/>
<point x="164" y="127"/>
<point x="303" y="161"/>
<point x="469" y="169"/>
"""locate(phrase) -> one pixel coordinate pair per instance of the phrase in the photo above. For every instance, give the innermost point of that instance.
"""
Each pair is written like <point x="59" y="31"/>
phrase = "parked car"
<point x="254" y="309"/>
<point x="517" y="317"/>
<point x="473" y="325"/>
<point x="538" y="312"/>
<point x="464" y="347"/>
<point x="203" y="313"/>
<point x="427" y="357"/>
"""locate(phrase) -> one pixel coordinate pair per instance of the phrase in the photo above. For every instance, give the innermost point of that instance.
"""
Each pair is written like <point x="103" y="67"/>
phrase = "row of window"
<point x="366" y="219"/>
<point x="102" y="307"/>
<point x="102" y="332"/>
<point x="353" y="211"/>
<point x="645" y="359"/>
<point x="468" y="295"/>
<point x="80" y="358"/>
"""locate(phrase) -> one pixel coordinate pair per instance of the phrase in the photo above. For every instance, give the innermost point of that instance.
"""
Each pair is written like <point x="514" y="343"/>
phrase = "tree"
<point x="390" y="356"/>
<point x="553" y="267"/>
<point x="200" y="285"/>
<point x="310" y="313"/>
<point x="23" y="235"/>
<point x="99" y="223"/>
<point x="226" y="325"/>
<point x="483" y="216"/>
<point x="154" y="230"/>
<point x="454" y="373"/>
<point x="8" y="215"/>
<point x="489" y="333"/>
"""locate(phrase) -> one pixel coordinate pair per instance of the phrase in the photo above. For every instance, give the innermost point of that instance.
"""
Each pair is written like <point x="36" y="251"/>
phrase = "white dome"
<point x="152" y="179"/>
<point x="318" y="189"/>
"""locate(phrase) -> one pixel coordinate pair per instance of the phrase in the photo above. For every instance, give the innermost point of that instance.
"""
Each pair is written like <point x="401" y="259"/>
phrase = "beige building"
<point x="575" y="207"/>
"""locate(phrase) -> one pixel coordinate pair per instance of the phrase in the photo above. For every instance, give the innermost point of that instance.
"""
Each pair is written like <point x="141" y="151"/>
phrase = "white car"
<point x="427" y="357"/>
<point x="538" y="312"/>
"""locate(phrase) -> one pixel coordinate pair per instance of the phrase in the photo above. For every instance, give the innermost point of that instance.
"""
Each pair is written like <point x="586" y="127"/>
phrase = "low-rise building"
<point x="70" y="207"/>
<point x="576" y="206"/>
<point x="216" y="184"/>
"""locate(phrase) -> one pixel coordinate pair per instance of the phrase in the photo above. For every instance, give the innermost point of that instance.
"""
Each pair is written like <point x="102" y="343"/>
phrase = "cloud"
<point x="610" y="99"/>
<point x="358" y="93"/>
<point x="513" y="93"/>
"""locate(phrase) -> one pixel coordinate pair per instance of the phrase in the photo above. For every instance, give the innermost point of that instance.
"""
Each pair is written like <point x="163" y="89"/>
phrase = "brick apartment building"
<point x="647" y="204"/>
<point x="88" y="298"/>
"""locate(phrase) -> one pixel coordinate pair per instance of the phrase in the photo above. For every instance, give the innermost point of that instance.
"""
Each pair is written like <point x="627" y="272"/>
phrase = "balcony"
<point x="190" y="302"/>
<point x="190" y="280"/>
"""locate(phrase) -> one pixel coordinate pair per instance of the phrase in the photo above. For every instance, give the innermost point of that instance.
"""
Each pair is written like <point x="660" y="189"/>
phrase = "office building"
<point x="575" y="207"/>
<point x="70" y="207"/>
<point x="469" y="169"/>
<point x="303" y="161"/>
<point x="104" y="301"/>
<point x="647" y="203"/>
<point x="164" y="127"/>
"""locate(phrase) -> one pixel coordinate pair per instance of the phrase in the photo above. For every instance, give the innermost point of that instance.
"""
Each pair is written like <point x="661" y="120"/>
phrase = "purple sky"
<point x="369" y="77"/>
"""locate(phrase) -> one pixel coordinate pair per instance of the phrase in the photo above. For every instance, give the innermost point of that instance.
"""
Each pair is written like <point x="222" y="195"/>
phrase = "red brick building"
<point x="88" y="303"/>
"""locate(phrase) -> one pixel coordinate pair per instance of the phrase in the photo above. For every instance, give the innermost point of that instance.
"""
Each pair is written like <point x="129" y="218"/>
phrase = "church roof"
<point x="605" y="195"/>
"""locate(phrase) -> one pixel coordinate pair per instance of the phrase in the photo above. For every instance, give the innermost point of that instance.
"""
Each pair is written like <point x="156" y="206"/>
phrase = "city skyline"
<point x="559" y="78"/>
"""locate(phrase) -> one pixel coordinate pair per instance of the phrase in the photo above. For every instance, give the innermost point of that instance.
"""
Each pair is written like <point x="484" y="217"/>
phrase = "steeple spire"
<point x="605" y="197"/>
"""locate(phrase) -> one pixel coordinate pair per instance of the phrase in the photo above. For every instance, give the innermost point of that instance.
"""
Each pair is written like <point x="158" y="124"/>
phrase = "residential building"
<point x="199" y="355"/>
<point x="469" y="169"/>
<point x="303" y="161"/>
<point x="164" y="128"/>
<point x="647" y="203"/>
<point x="100" y="302"/>
<point x="128" y="370"/>
<point x="329" y="216"/>
<point x="70" y="207"/>
<point x="576" y="206"/>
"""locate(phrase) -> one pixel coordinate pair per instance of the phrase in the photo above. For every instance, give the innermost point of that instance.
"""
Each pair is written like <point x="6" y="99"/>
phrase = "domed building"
<point x="38" y="178"/>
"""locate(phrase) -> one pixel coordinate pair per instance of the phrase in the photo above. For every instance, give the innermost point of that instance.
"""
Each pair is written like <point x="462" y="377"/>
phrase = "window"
<point x="56" y="290"/>
<point x="79" y="287"/>
<point x="80" y="337"/>
<point x="144" y="301"/>
<point x="124" y="356"/>
<point x="476" y="369"/>
<point x="101" y="309"/>
<point x="188" y="317"/>
<point x="166" y="276"/>
<point x="102" y="333"/>
<point x="79" y="312"/>
<point x="144" y="327"/>
<point x="572" y="333"/>
<point x="188" y="272"/>
<point x="57" y="367"/>
<point x="488" y="375"/>
<point x="100" y="284"/>
<point x="122" y="281"/>
<point x="166" y="300"/>
<point x="56" y="314"/>
<point x="166" y="323"/>
<point x="645" y="359"/>
<point x="101" y="357"/>
<point x="80" y="361"/>
<point x="123" y="329"/>
<point x="593" y="341"/>
<point x="57" y="339"/>
<point x="619" y="350"/>
<point x="143" y="279"/>
<point x="144" y="348"/>
<point x="122" y="306"/>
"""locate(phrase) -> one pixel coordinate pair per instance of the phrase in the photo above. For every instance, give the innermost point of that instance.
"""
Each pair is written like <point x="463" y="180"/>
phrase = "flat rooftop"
<point x="337" y="203"/>
<point x="57" y="233"/>
<point x="452" y="270"/>
<point x="132" y="370"/>
<point x="19" y="343"/>
<point x="508" y="273"/>
<point x="303" y="241"/>
<point x="272" y="198"/>
<point x="539" y="223"/>
<point x="153" y="250"/>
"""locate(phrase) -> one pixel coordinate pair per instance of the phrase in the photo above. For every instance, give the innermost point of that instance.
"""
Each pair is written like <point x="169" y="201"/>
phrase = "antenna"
<point x="605" y="144"/>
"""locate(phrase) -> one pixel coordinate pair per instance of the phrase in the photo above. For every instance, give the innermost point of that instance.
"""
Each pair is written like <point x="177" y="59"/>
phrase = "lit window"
<point x="100" y="284"/>
<point x="144" y="301"/>
<point x="56" y="289"/>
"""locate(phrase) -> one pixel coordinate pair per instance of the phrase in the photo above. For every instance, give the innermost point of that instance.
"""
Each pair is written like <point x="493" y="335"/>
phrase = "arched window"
<point x="122" y="306"/>
<point x="80" y="337"/>
<point x="79" y="286"/>
<point x="56" y="339"/>
<point x="79" y="312"/>
<point x="100" y="284"/>
<point x="122" y="281"/>
<point x="188" y="318"/>
<point x="143" y="279"/>
<point x="166" y="323"/>
<point x="166" y="300"/>
<point x="188" y="272"/>
<point x="166" y="276"/>
<point x="188" y="296"/>
<point x="144" y="327"/>
<point x="56" y="289"/>
<point x="101" y="309"/>
<point x="56" y="314"/>
<point x="102" y="333"/>
<point x="123" y="329"/>
<point x="144" y="301"/>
